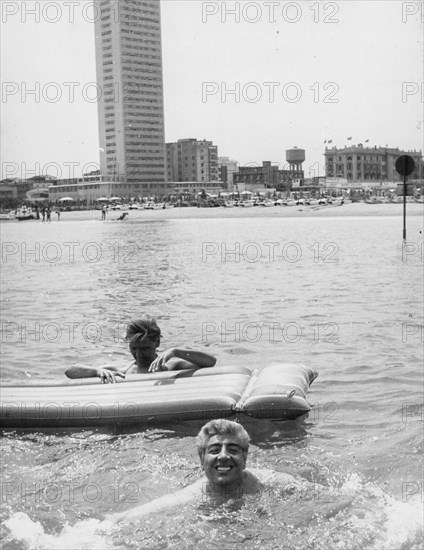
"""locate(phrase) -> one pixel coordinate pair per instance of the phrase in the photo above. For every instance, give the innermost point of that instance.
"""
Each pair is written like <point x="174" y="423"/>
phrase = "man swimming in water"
<point x="222" y="446"/>
<point x="143" y="336"/>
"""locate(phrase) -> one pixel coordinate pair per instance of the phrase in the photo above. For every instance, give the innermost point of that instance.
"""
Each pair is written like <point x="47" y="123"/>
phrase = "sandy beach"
<point x="357" y="209"/>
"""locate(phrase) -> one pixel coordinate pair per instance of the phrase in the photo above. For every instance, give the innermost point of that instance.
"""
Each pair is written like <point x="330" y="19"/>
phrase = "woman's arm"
<point x="177" y="359"/>
<point x="105" y="374"/>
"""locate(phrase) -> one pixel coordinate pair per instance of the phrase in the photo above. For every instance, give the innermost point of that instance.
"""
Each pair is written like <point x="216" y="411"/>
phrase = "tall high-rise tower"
<point x="129" y="73"/>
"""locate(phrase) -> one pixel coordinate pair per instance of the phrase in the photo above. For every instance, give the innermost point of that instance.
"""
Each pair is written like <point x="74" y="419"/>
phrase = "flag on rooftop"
<point x="367" y="140"/>
<point x="349" y="138"/>
<point x="330" y="141"/>
<point x="325" y="141"/>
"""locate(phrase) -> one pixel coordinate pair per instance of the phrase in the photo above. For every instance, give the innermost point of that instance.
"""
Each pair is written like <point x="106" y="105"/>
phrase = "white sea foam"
<point x="89" y="534"/>
<point x="396" y="524"/>
<point x="404" y="523"/>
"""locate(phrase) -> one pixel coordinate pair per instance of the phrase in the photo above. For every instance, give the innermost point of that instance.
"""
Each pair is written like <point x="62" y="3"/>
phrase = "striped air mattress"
<point x="275" y="392"/>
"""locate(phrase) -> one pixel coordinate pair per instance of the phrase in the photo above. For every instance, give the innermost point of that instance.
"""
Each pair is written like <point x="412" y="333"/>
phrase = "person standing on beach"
<point x="104" y="212"/>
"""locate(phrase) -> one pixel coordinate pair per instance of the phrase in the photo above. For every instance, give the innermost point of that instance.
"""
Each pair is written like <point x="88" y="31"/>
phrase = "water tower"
<point x="295" y="157"/>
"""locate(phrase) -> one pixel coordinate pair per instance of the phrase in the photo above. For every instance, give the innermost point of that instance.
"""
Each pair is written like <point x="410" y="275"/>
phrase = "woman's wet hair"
<point x="144" y="327"/>
<point x="221" y="426"/>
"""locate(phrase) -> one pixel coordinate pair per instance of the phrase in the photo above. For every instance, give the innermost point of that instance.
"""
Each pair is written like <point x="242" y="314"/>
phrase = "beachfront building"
<point x="130" y="107"/>
<point x="268" y="176"/>
<point x="361" y="164"/>
<point x="192" y="160"/>
<point x="14" y="191"/>
<point x="227" y="169"/>
<point x="194" y="188"/>
<point x="87" y="191"/>
<point x="34" y="189"/>
<point x="92" y="189"/>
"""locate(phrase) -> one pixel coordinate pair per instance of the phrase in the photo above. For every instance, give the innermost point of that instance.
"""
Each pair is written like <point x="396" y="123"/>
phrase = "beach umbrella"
<point x="102" y="199"/>
<point x="63" y="199"/>
<point x="115" y="198"/>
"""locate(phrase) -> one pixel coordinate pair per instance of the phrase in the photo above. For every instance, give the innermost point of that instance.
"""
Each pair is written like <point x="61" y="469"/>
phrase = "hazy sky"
<point x="303" y="72"/>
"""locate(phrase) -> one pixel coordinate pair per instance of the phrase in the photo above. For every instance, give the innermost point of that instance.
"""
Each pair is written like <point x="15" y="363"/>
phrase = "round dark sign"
<point x="405" y="165"/>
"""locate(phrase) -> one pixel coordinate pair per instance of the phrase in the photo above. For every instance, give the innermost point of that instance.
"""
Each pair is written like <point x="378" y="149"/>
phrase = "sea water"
<point x="339" y="293"/>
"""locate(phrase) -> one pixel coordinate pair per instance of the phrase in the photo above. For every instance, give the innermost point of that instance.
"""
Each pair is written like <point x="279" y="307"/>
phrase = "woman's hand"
<point x="108" y="376"/>
<point x="159" y="364"/>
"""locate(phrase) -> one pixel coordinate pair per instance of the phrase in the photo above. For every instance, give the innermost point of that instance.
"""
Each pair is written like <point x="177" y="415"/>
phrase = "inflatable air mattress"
<point x="275" y="392"/>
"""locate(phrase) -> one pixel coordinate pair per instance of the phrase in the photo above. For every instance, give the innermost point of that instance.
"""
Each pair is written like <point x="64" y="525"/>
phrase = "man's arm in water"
<point x="184" y="496"/>
<point x="179" y="359"/>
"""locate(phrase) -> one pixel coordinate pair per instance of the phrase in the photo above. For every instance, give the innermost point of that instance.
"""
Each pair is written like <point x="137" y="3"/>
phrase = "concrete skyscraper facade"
<point x="130" y="109"/>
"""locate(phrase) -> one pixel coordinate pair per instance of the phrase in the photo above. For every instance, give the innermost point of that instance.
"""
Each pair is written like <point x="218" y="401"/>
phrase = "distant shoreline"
<point x="356" y="209"/>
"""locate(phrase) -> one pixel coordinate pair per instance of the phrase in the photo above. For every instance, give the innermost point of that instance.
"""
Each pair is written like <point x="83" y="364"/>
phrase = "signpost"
<point x="404" y="165"/>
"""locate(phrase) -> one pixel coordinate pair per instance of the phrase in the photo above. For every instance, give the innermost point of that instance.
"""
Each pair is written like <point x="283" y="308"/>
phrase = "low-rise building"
<point x="14" y="190"/>
<point x="268" y="176"/>
<point x="194" y="188"/>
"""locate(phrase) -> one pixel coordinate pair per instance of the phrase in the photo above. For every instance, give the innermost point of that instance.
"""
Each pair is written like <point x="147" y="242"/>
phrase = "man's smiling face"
<point x="224" y="460"/>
